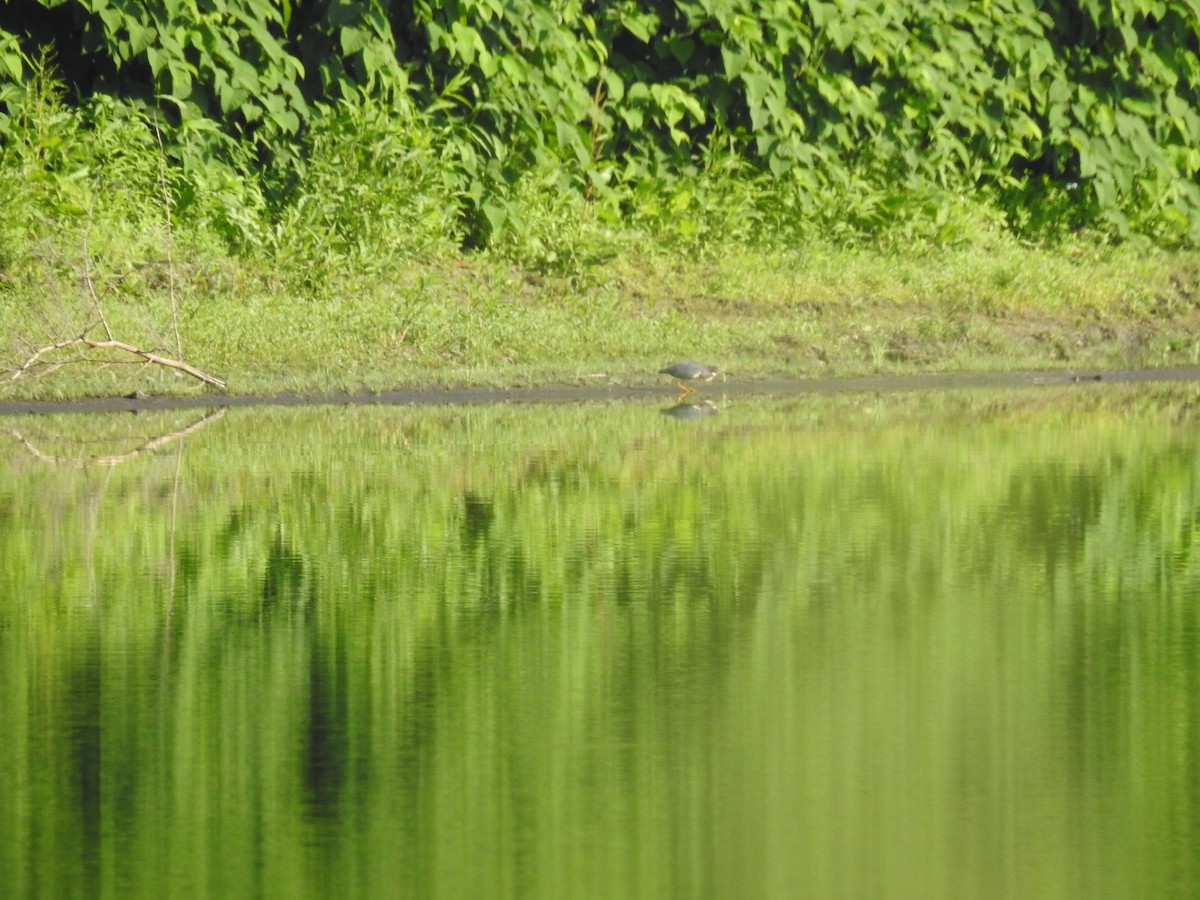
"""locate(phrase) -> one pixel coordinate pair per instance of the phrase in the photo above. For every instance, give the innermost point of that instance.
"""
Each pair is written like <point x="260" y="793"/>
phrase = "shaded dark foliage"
<point x="1061" y="115"/>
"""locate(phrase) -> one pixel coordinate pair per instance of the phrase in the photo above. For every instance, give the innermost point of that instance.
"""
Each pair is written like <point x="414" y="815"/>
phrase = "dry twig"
<point x="87" y="272"/>
<point x="147" y="355"/>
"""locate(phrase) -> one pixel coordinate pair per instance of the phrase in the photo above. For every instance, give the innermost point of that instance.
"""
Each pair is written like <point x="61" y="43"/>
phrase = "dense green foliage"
<point x="692" y="120"/>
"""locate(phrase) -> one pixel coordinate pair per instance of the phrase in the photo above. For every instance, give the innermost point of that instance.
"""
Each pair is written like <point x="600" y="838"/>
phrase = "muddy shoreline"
<point x="449" y="396"/>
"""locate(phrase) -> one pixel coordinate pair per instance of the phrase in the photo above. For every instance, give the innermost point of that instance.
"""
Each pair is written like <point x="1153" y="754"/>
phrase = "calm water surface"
<point x="910" y="645"/>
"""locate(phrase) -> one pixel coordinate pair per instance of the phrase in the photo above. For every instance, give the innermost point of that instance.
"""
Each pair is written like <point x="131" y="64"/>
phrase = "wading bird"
<point x="689" y="371"/>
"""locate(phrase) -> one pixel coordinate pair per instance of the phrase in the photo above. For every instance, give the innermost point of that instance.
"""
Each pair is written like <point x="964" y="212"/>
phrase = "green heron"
<point x="689" y="371"/>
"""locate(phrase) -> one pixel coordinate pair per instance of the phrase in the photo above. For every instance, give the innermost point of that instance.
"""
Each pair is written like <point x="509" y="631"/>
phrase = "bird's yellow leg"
<point x="686" y="388"/>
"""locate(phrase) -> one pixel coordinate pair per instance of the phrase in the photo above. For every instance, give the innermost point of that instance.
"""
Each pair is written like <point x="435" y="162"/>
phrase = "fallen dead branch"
<point x="147" y="355"/>
<point x="149" y="446"/>
<point x="37" y="357"/>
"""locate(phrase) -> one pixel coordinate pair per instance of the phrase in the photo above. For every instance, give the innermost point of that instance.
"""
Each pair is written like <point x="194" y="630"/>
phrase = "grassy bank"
<point x="484" y="320"/>
<point x="358" y="267"/>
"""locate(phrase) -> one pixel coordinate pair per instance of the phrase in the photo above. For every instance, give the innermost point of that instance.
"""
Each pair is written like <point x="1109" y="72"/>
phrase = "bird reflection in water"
<point x="689" y="411"/>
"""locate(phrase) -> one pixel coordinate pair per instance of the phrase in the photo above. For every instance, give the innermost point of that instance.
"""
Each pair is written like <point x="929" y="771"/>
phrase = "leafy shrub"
<point x="552" y="123"/>
<point x="370" y="190"/>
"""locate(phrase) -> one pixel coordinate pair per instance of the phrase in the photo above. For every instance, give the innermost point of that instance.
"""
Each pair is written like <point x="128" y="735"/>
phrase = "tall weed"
<point x="371" y="191"/>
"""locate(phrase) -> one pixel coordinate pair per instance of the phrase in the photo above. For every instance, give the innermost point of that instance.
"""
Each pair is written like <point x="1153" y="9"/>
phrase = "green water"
<point x="906" y="645"/>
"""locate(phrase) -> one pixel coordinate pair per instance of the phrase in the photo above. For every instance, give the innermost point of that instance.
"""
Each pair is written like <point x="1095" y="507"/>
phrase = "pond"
<point x="917" y="644"/>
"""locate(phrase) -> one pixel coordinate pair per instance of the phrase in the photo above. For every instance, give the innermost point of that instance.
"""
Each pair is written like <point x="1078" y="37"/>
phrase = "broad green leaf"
<point x="735" y="60"/>
<point x="1139" y="107"/>
<point x="642" y="25"/>
<point x="181" y="78"/>
<point x="614" y="85"/>
<point x="681" y="49"/>
<point x="141" y="36"/>
<point x="466" y="42"/>
<point x="156" y="58"/>
<point x="377" y="56"/>
<point x="287" y="120"/>
<point x="943" y="60"/>
<point x="496" y="213"/>
<point x="245" y="76"/>
<point x="13" y="66"/>
<point x="1105" y="188"/>
<point x="353" y="39"/>
<point x="515" y="67"/>
<point x="489" y="65"/>
<point x="757" y="85"/>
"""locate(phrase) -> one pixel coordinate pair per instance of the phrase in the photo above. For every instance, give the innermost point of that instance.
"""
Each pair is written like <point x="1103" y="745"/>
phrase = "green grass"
<point x="478" y="320"/>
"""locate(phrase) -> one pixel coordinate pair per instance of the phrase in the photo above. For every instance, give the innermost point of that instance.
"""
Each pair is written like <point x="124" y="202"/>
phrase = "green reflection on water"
<point x="850" y="646"/>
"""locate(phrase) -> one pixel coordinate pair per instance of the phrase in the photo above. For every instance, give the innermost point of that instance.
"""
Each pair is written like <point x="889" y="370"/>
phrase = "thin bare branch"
<point x="166" y="200"/>
<point x="147" y="355"/>
<point x="87" y="271"/>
